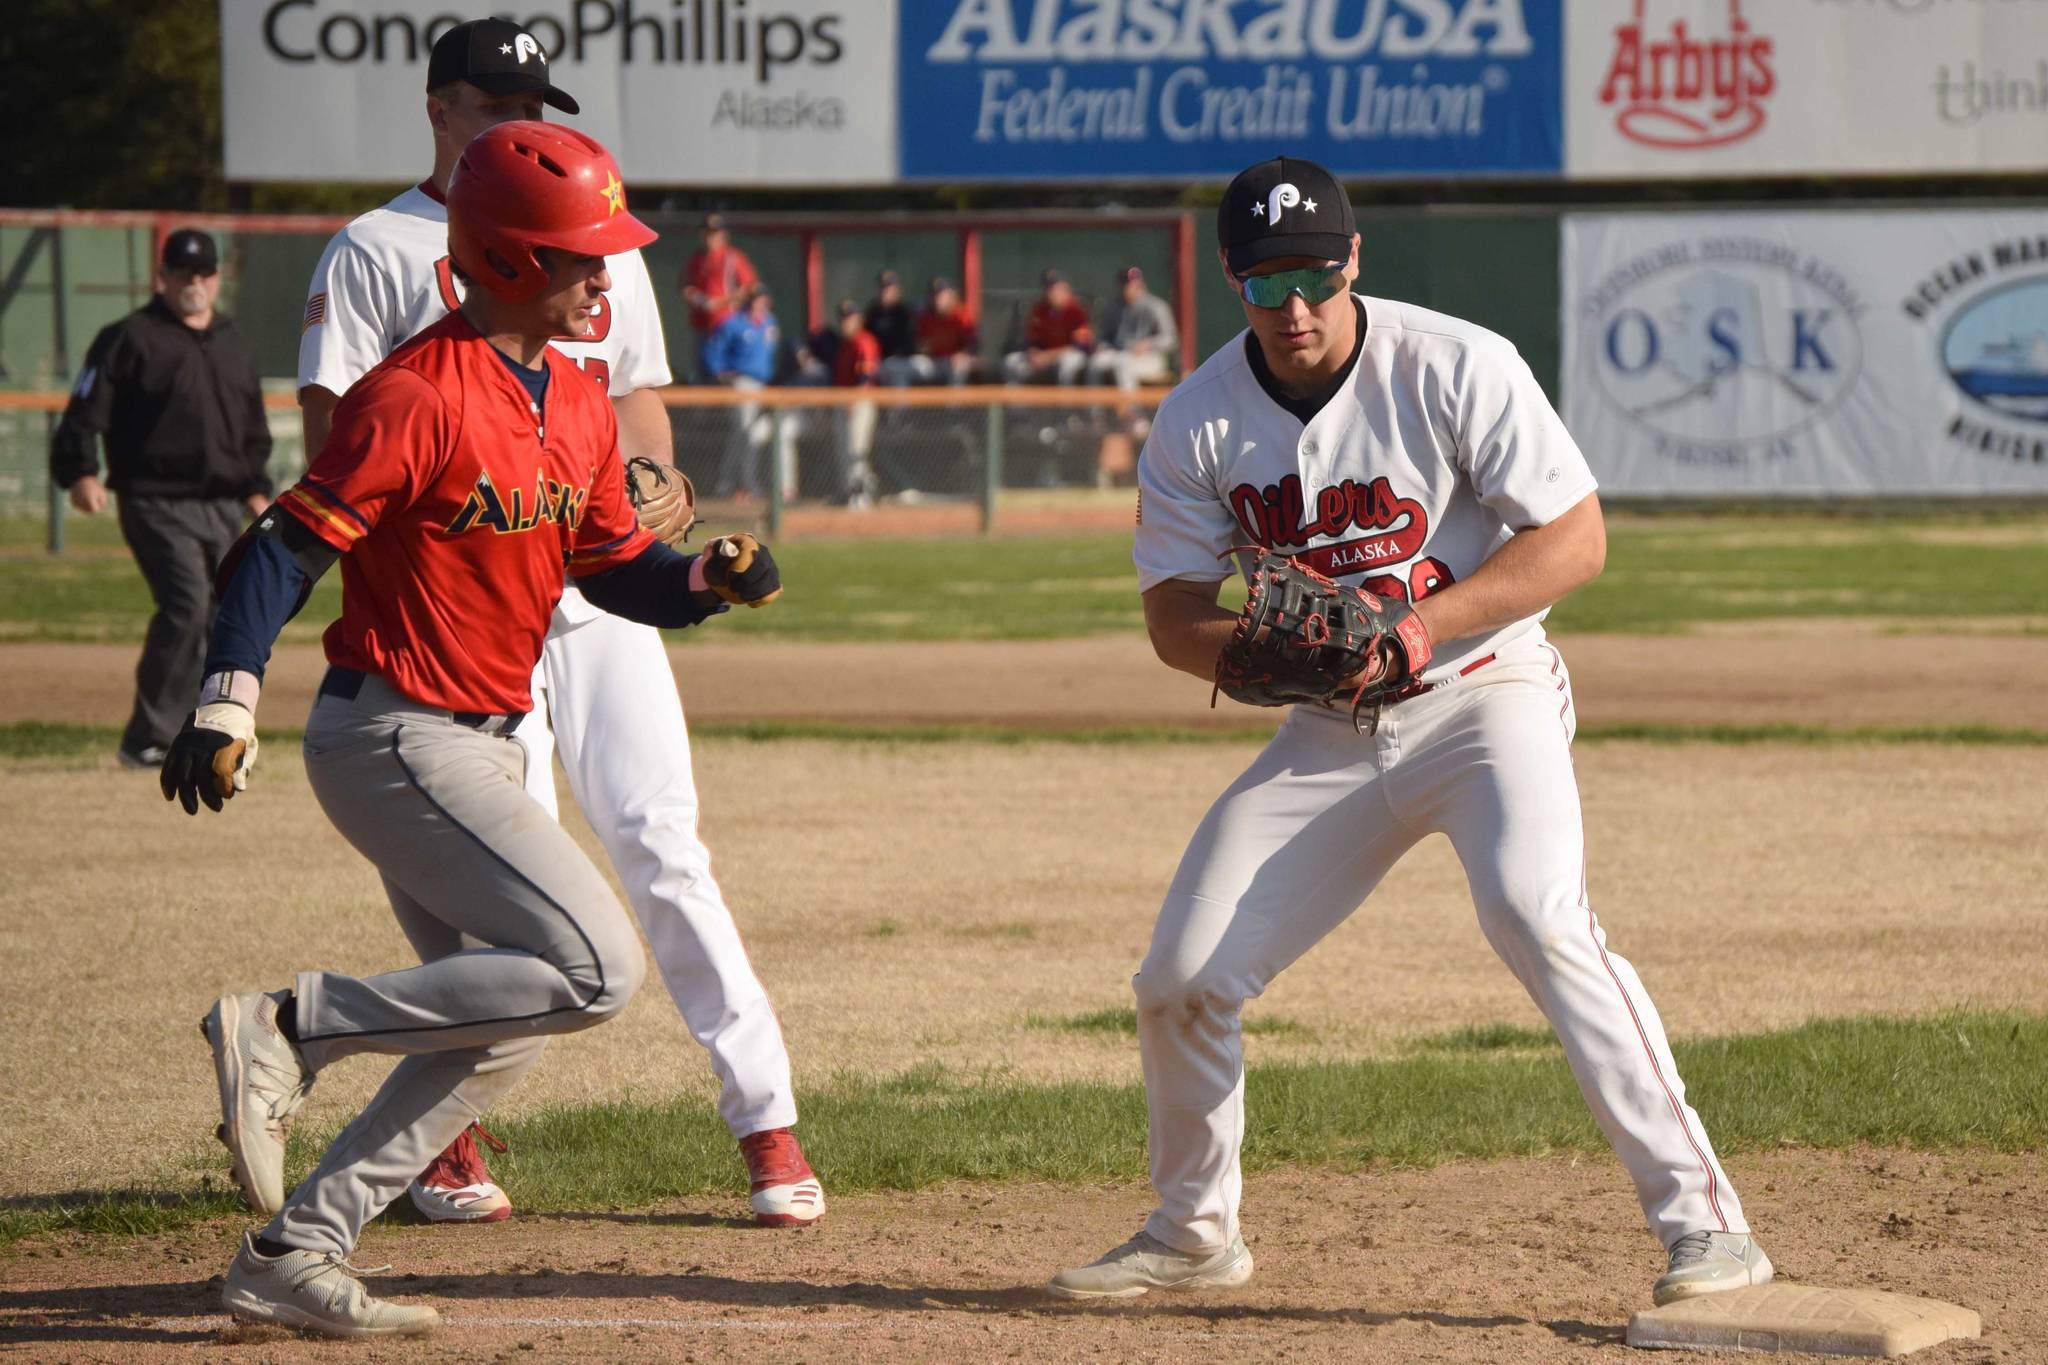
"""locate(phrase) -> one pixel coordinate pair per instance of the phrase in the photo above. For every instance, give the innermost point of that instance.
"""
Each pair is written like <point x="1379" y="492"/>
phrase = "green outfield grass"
<point x="1663" y="574"/>
<point x="1967" y="1080"/>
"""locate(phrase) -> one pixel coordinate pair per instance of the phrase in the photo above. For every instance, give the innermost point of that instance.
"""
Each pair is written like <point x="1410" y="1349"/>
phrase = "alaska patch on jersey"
<point x="548" y="501"/>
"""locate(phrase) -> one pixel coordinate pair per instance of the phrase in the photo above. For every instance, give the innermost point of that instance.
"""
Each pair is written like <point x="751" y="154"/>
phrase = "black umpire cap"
<point x="497" y="57"/>
<point x="193" y="250"/>
<point x="1284" y="207"/>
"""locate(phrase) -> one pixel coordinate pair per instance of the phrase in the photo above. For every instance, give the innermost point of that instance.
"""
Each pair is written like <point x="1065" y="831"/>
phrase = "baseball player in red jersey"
<point x="462" y="474"/>
<point x="604" y="695"/>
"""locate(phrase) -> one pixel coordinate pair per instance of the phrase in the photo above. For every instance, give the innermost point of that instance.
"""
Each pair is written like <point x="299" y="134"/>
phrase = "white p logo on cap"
<point x="527" y="46"/>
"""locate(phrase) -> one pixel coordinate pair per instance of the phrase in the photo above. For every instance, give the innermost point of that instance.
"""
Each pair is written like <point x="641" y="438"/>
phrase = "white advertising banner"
<point x="1853" y="352"/>
<point x="681" y="91"/>
<point x="1683" y="88"/>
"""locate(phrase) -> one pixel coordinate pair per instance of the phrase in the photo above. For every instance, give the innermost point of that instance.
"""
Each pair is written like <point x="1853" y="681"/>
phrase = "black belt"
<point x="347" y="683"/>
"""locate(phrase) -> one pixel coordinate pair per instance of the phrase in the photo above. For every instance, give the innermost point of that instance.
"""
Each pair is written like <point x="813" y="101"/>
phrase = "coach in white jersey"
<point x="603" y="692"/>
<point x="1415" y="455"/>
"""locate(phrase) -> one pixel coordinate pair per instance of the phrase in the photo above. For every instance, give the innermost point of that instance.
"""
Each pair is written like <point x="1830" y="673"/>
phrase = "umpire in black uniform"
<point x="173" y="391"/>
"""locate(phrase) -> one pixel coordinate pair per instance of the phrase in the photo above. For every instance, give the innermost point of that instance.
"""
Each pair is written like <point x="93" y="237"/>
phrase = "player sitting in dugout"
<point x="1057" y="337"/>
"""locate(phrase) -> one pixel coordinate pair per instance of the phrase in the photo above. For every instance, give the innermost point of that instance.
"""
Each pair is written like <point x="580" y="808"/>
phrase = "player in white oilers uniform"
<point x="1412" y="454"/>
<point x="603" y="691"/>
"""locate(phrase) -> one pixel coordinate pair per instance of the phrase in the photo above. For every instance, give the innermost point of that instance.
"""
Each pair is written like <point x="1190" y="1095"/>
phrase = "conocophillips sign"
<point x="798" y="91"/>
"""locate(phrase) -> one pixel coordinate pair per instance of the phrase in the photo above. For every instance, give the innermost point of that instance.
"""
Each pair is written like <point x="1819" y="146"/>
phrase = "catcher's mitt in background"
<point x="1305" y="638"/>
<point x="663" y="499"/>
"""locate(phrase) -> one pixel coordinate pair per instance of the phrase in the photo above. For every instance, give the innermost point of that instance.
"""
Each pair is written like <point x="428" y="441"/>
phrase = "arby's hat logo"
<point x="1687" y="74"/>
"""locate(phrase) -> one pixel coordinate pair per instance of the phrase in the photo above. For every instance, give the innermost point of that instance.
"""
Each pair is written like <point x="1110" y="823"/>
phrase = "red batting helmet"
<point x="525" y="184"/>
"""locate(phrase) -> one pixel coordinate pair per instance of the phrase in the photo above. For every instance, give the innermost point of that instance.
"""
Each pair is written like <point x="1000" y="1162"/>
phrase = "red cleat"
<point x="785" y="1192"/>
<point x="457" y="1188"/>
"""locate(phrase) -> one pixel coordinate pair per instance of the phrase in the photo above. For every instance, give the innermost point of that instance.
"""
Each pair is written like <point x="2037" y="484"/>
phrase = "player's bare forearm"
<point x="644" y="426"/>
<point x="1188" y="629"/>
<point x="316" y="417"/>
<point x="1534" y="569"/>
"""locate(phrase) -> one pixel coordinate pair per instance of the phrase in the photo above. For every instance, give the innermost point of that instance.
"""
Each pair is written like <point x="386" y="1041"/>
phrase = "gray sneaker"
<point x="1709" y="1262"/>
<point x="1145" y="1263"/>
<point x="316" y="1292"/>
<point x="263" y="1081"/>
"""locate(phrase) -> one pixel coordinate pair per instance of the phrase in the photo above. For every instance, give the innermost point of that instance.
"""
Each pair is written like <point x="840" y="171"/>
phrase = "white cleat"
<point x="1146" y="1263"/>
<point x="1709" y="1262"/>
<point x="315" y="1291"/>
<point x="263" y="1081"/>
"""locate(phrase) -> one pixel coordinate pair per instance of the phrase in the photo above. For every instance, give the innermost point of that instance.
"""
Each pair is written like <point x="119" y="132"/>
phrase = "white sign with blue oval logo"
<point x="1808" y="353"/>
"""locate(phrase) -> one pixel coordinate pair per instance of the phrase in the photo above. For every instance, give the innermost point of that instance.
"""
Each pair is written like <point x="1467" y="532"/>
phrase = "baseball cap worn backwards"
<point x="1284" y="207"/>
<point x="193" y="250"/>
<point x="497" y="57"/>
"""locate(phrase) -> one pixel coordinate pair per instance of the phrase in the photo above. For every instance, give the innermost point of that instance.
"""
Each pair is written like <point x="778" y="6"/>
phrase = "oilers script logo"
<point x="1698" y="81"/>
<point x="1722" y="349"/>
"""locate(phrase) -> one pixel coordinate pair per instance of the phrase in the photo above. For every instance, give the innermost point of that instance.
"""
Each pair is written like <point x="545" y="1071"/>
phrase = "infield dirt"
<point x="1536" y="1261"/>
<point x="915" y="904"/>
<point x="1831" y="673"/>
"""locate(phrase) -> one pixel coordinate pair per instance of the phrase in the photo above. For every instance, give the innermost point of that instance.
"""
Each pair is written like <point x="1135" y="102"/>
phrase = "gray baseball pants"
<point x="519" y="938"/>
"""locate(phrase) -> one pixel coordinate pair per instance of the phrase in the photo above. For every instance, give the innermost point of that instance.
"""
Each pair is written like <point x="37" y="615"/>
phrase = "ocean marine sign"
<point x="1680" y="82"/>
<point x="1989" y="311"/>
<point x="1178" y="89"/>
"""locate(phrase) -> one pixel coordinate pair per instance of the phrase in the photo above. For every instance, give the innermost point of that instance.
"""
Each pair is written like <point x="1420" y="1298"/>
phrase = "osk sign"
<point x="1722" y="350"/>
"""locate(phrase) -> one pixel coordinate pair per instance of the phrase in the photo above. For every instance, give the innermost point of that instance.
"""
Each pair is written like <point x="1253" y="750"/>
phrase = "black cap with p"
<point x="1284" y="207"/>
<point x="497" y="57"/>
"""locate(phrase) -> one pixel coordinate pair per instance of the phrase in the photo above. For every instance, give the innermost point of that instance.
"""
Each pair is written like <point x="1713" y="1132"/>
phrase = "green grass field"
<point x="1955" y="1081"/>
<point x="1663" y="574"/>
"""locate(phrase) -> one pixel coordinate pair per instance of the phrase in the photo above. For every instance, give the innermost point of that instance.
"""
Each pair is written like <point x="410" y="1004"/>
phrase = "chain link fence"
<point x="953" y="459"/>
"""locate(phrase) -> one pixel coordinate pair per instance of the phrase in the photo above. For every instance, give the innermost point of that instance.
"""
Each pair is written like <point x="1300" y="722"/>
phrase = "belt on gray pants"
<point x="347" y="684"/>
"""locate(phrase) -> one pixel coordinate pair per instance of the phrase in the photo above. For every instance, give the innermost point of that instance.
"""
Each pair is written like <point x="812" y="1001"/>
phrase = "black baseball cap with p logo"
<point x="497" y="57"/>
<point x="1284" y="207"/>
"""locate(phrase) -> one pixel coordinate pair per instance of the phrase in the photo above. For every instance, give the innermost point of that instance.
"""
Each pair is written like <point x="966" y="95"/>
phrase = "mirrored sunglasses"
<point x="1316" y="284"/>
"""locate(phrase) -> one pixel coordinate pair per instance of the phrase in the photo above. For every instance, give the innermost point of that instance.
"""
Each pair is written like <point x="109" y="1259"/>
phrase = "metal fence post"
<point x="55" y="537"/>
<point x="775" y="472"/>
<point x="992" y="468"/>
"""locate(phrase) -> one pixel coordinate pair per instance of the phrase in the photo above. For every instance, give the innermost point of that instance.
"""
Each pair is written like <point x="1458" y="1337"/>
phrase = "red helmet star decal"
<point x="614" y="194"/>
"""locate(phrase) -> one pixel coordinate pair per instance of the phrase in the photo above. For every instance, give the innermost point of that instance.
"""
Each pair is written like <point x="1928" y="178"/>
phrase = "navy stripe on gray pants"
<point x="519" y="938"/>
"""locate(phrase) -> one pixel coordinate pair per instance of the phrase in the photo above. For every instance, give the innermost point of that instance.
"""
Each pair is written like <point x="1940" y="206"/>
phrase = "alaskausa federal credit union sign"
<point x="1185" y="89"/>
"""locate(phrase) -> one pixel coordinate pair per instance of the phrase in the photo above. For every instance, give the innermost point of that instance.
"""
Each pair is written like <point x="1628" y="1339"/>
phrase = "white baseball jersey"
<point x="1431" y="453"/>
<point x="1439" y="447"/>
<point x="386" y="276"/>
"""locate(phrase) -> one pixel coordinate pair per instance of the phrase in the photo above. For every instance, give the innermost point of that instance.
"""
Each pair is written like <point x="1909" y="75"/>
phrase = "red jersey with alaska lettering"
<point x="457" y="507"/>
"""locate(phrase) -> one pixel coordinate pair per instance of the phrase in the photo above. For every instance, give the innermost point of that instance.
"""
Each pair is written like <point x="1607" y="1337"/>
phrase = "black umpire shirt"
<point x="181" y="410"/>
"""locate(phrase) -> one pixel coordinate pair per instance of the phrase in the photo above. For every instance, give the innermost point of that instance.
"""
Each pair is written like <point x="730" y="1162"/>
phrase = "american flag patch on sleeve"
<point x="316" y="311"/>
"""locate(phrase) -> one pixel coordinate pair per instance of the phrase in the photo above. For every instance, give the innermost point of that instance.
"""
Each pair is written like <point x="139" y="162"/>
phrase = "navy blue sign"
<point x="1193" y="89"/>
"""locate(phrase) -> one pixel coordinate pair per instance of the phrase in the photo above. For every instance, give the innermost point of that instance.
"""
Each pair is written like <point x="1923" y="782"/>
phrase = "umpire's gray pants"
<point x="518" y="936"/>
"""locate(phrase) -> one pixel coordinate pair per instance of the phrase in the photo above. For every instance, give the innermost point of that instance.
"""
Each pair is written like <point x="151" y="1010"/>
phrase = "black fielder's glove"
<point x="739" y="569"/>
<point x="1302" y="637"/>
<point x="210" y="759"/>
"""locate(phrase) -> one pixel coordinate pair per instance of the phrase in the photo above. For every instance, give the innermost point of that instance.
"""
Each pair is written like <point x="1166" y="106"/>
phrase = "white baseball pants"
<point x="1297" y="843"/>
<point x="604" y="696"/>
